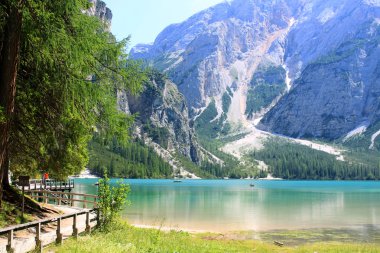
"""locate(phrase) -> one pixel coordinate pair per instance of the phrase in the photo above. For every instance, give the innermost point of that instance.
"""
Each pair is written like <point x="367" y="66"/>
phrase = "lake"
<point x="233" y="205"/>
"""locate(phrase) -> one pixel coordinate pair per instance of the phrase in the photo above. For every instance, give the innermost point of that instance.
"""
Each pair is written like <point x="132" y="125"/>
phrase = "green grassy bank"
<point x="125" y="238"/>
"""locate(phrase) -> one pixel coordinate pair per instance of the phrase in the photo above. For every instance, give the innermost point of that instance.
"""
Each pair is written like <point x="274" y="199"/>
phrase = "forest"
<point x="294" y="161"/>
<point x="131" y="160"/>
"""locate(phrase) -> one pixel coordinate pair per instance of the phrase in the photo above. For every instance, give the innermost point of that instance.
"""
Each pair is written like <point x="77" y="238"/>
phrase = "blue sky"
<point x="145" y="19"/>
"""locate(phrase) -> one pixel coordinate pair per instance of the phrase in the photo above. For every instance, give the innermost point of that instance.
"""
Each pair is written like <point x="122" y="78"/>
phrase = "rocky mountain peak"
<point x="308" y="66"/>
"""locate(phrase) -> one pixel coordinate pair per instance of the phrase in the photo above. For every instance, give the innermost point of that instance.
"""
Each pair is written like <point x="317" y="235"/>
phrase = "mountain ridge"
<point x="224" y="46"/>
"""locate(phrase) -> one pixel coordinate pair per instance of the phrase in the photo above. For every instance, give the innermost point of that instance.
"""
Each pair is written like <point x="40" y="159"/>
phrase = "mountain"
<point x="304" y="68"/>
<point x="162" y="134"/>
<point x="333" y="58"/>
<point x="162" y="116"/>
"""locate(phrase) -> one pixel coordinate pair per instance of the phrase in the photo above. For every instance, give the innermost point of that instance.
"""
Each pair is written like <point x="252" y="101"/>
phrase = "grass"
<point x="125" y="238"/>
<point x="10" y="214"/>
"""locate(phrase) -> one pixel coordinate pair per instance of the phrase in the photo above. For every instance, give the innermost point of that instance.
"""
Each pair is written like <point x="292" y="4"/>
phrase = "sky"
<point x="145" y="19"/>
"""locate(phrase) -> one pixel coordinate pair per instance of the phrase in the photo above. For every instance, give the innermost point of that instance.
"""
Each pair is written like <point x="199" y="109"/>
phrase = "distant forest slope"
<point x="294" y="161"/>
<point x="134" y="160"/>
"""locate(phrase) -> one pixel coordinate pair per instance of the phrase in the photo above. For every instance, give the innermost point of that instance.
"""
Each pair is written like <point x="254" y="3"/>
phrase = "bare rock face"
<point x="334" y="56"/>
<point x="99" y="9"/>
<point x="216" y="48"/>
<point x="328" y="50"/>
<point x="162" y="114"/>
<point x="161" y="111"/>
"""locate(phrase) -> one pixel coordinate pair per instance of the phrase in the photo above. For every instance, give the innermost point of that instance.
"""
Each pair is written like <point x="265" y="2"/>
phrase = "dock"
<point x="50" y="184"/>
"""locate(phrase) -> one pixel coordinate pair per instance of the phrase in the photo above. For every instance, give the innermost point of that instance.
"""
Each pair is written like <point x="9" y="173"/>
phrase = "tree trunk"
<point x="9" y="59"/>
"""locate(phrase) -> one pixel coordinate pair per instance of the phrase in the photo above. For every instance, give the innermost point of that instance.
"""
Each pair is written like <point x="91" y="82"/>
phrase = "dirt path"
<point x="24" y="241"/>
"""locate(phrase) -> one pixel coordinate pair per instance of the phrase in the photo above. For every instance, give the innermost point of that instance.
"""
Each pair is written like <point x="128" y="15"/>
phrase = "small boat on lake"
<point x="252" y="185"/>
<point x="177" y="181"/>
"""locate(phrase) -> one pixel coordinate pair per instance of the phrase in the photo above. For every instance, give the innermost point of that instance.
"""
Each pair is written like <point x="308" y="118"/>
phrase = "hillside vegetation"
<point x="293" y="161"/>
<point x="125" y="238"/>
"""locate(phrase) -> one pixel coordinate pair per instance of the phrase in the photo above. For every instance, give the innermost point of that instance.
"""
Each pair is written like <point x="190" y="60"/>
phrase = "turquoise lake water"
<point x="233" y="205"/>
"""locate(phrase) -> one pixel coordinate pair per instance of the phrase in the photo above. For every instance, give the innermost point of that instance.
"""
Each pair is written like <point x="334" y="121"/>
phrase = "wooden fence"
<point x="63" y="198"/>
<point x="9" y="231"/>
<point x="50" y="184"/>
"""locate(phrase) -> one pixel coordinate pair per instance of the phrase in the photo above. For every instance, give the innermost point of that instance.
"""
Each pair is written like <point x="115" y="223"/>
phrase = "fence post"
<point x="72" y="200"/>
<point x="38" y="238"/>
<point x="88" y="227"/>
<point x="59" y="196"/>
<point x="84" y="202"/>
<point x="10" y="242"/>
<point x="59" y="234"/>
<point x="97" y="217"/>
<point x="75" y="228"/>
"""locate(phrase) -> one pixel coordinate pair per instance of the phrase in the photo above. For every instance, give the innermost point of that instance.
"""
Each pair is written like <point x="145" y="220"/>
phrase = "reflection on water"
<point x="227" y="205"/>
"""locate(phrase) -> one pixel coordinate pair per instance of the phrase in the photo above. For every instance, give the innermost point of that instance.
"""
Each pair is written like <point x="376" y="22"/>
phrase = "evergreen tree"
<point x="66" y="68"/>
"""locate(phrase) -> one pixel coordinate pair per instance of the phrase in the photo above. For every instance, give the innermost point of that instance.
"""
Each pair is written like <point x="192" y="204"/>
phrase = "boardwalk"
<point x="24" y="240"/>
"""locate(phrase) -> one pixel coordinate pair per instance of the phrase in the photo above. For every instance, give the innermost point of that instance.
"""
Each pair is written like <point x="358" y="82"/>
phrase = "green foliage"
<point x="212" y="134"/>
<point x="232" y="167"/>
<point x="70" y="68"/>
<point x="229" y="91"/>
<point x="192" y="167"/>
<point x="10" y="214"/>
<point x="132" y="160"/>
<point x="2" y="115"/>
<point x="266" y="85"/>
<point x="294" y="161"/>
<point x="226" y="100"/>
<point x="207" y="115"/>
<point x="344" y="51"/>
<point x="207" y="126"/>
<point x="159" y="135"/>
<point x="112" y="199"/>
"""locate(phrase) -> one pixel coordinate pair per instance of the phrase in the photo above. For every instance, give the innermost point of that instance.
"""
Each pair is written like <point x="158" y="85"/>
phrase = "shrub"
<point x="112" y="199"/>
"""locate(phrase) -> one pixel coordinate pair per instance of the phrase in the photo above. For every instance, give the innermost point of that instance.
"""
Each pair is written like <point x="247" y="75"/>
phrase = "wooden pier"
<point x="50" y="184"/>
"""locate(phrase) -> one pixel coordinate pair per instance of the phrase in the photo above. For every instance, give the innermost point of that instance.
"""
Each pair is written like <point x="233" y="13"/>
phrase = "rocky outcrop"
<point x="162" y="115"/>
<point x="99" y="9"/>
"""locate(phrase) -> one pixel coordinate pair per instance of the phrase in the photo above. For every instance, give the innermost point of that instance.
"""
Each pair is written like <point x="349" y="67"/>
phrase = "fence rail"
<point x="51" y="184"/>
<point x="66" y="198"/>
<point x="9" y="231"/>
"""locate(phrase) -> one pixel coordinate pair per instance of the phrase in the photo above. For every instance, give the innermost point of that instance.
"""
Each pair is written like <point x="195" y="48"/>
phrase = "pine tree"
<point x="49" y="49"/>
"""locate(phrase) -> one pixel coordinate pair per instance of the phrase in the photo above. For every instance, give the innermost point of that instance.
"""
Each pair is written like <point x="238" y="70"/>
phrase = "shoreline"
<point x="291" y="237"/>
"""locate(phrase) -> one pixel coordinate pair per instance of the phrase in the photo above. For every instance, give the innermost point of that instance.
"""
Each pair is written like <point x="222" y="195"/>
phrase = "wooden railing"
<point x="63" y="198"/>
<point x="51" y="184"/>
<point x="9" y="231"/>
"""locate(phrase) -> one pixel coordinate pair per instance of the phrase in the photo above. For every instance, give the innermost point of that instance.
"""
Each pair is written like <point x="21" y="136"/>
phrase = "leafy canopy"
<point x="70" y="69"/>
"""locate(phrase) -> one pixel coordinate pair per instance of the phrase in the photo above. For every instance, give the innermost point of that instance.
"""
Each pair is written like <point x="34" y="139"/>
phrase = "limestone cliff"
<point x="162" y="115"/>
<point x="313" y="64"/>
<point x="100" y="9"/>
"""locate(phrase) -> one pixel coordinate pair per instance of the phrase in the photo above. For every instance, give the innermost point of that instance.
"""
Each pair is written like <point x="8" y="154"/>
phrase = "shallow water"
<point x="233" y="205"/>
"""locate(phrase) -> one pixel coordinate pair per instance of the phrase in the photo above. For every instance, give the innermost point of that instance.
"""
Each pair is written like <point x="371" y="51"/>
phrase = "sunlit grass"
<point x="125" y="238"/>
